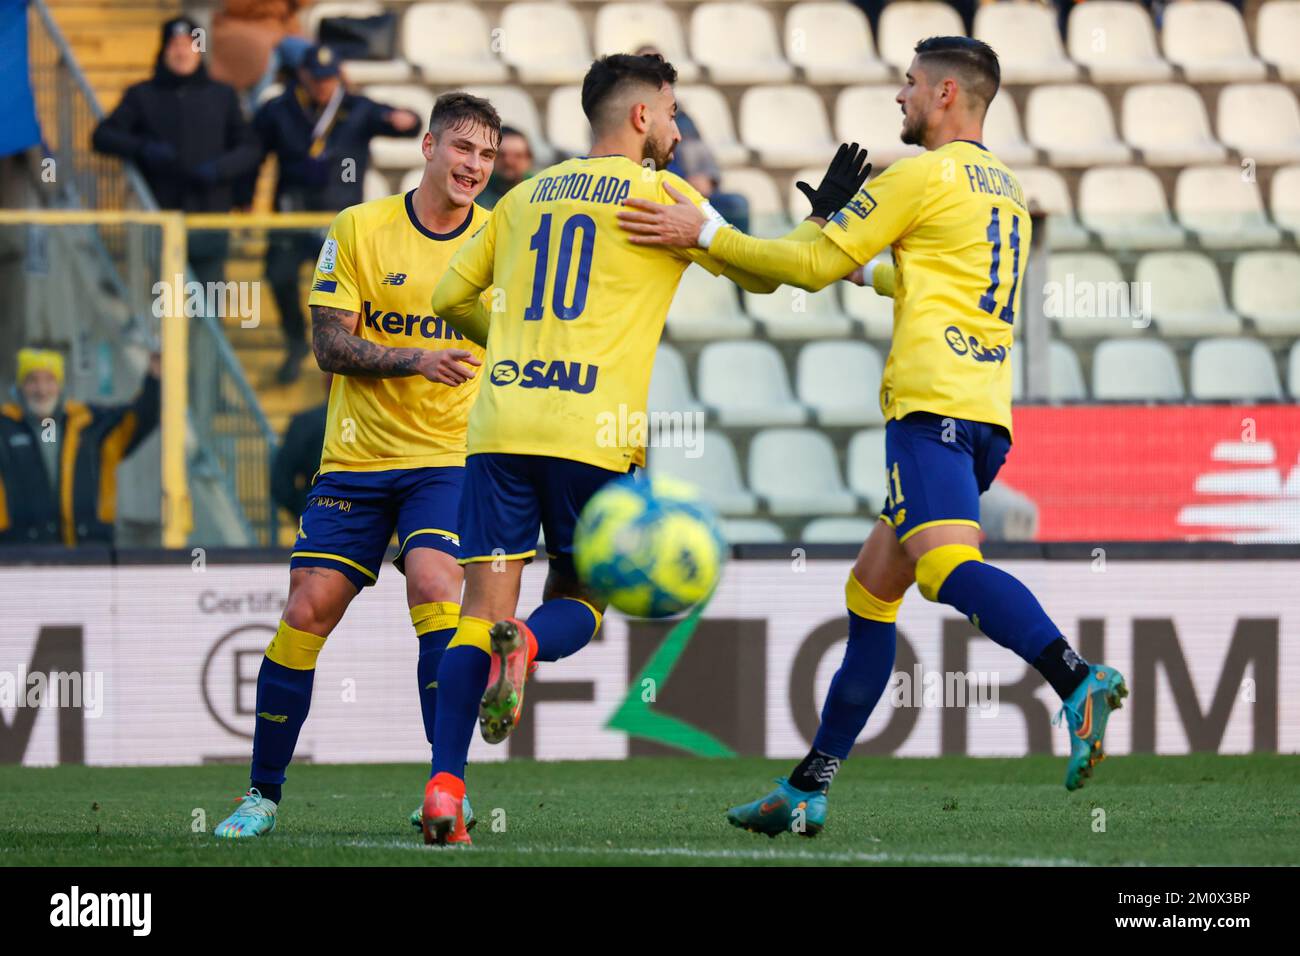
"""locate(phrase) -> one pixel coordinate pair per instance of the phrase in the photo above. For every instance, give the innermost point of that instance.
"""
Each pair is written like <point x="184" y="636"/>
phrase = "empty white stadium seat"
<point x="831" y="42"/>
<point x="1073" y="124"/>
<point x="737" y="43"/>
<point x="837" y="530"/>
<point x="708" y="108"/>
<point x="1233" y="369"/>
<point x="1266" y="290"/>
<point x="1168" y="123"/>
<point x="625" y="27"/>
<point x="670" y="384"/>
<point x="905" y="22"/>
<point x="1261" y="121"/>
<point x="1046" y="189"/>
<point x="400" y="152"/>
<point x="1087" y="296"/>
<point x="516" y="109"/>
<point x="745" y="383"/>
<point x="1028" y="42"/>
<point x="706" y="307"/>
<point x="794" y="470"/>
<point x="1116" y="41"/>
<point x="786" y="126"/>
<point x="790" y="313"/>
<point x="1277" y="36"/>
<point x="1135" y="371"/>
<point x="545" y="41"/>
<point x="767" y="214"/>
<point x="567" y="128"/>
<point x="451" y="43"/>
<point x="1126" y="206"/>
<point x="870" y="115"/>
<point x="410" y="179"/>
<point x="375" y="185"/>
<point x="874" y="312"/>
<point x="751" y="531"/>
<point x="1284" y="198"/>
<point x="866" y="467"/>
<point x="840" y="382"/>
<point x="712" y="467"/>
<point x="1065" y="375"/>
<point x="1186" y="294"/>
<point x="1002" y="133"/>
<point x="1207" y="38"/>
<point x="1223" y="207"/>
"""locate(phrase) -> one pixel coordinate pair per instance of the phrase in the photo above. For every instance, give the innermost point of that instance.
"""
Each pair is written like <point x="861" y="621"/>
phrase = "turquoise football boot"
<point x="1086" y="712"/>
<point x="784" y="810"/>
<point x="255" y="816"/>
<point x="417" y="816"/>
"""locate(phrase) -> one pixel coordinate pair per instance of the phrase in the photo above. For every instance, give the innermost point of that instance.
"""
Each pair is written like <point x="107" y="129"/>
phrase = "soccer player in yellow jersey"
<point x="394" y="453"/>
<point x="581" y="310"/>
<point x="956" y="219"/>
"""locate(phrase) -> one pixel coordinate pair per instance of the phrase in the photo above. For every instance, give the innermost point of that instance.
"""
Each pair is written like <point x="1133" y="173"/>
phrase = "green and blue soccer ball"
<point x="649" y="546"/>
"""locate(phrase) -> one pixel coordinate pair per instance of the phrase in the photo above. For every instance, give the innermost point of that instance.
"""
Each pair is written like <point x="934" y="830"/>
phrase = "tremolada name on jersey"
<point x="584" y="187"/>
<point x="566" y="376"/>
<point x="407" y="323"/>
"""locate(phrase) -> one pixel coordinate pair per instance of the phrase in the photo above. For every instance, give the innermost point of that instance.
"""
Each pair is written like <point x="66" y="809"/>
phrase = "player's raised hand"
<point x="658" y="224"/>
<point x="448" y="366"/>
<point x="845" y="175"/>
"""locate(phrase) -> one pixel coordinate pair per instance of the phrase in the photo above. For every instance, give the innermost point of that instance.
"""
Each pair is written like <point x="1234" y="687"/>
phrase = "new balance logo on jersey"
<point x="566" y="376"/>
<point x="394" y="278"/>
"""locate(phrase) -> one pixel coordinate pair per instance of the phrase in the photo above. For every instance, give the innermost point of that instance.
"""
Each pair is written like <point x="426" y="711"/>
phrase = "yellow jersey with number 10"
<point x="577" y="313"/>
<point x="960" y="231"/>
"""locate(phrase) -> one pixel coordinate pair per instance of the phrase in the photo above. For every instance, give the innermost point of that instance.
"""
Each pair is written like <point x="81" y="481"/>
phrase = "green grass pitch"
<point x="1199" y="809"/>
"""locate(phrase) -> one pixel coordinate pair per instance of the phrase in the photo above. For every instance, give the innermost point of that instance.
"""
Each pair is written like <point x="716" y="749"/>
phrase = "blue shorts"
<point x="936" y="468"/>
<point x="351" y="517"/>
<point x="509" y="498"/>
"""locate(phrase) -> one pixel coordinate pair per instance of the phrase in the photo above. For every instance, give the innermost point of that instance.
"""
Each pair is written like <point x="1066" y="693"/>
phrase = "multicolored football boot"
<point x="1086" y="712"/>
<point x="784" y="810"/>
<point x="255" y="816"/>
<point x="417" y="816"/>
<point x="498" y="711"/>
<point x="443" y="817"/>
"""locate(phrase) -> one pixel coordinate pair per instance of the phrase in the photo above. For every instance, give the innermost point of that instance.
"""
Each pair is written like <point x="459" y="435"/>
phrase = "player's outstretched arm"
<point x="458" y="301"/>
<point x="338" y="349"/>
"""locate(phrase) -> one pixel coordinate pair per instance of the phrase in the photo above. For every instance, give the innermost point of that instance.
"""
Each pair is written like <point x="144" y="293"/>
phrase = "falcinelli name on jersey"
<point x="994" y="182"/>
<point x="538" y="373"/>
<point x="584" y="187"/>
<point x="407" y="323"/>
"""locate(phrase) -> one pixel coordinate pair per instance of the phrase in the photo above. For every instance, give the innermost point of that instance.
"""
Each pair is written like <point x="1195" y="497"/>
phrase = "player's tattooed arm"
<point x="340" y="351"/>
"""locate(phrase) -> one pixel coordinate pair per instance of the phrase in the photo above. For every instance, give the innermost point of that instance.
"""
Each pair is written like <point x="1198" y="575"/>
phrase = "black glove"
<point x="844" y="177"/>
<point x="157" y="154"/>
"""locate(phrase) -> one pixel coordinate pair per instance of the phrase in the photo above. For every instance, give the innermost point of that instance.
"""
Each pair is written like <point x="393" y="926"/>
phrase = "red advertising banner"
<point x="1160" y="473"/>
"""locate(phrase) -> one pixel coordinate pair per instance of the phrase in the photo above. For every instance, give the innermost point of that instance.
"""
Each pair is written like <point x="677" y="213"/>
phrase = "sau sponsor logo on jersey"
<point x="566" y="376"/>
<point x="962" y="345"/>
<point x="394" y="278"/>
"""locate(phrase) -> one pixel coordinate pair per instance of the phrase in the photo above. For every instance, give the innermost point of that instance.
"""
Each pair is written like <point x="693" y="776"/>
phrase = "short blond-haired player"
<point x="956" y="219"/>
<point x="394" y="454"/>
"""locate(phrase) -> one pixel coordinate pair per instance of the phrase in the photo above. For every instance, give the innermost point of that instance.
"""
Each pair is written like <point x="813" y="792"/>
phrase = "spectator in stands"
<point x="514" y="164"/>
<point x="298" y="458"/>
<point x="59" y="458"/>
<point x="320" y="134"/>
<point x="246" y="34"/>
<point x="189" y="137"/>
<point x="694" y="162"/>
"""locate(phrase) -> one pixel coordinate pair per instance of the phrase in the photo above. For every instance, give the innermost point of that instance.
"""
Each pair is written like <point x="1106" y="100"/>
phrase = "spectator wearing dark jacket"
<point x="320" y="134"/>
<point x="298" y="458"/>
<point x="189" y="138"/>
<point x="59" y="458"/>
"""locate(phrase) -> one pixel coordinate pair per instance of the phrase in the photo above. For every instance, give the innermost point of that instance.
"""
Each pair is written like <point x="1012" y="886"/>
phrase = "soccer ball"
<point x="649" y="547"/>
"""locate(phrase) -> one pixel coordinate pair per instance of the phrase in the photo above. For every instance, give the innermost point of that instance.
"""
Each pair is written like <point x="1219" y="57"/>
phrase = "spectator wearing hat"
<point x="320" y="135"/>
<point x="59" y="457"/>
<point x="514" y="164"/>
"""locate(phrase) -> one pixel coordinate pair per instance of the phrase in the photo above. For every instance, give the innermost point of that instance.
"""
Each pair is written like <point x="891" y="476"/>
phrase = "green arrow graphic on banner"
<point x="635" y="716"/>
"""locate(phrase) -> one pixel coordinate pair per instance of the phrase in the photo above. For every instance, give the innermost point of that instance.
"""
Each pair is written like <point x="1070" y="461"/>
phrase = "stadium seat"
<point x="1207" y="38"/>
<point x="1008" y="515"/>
<point x="767" y="214"/>
<point x="745" y="384"/>
<point x="1223" y="207"/>
<point x="451" y="43"/>
<point x="1002" y="133"/>
<point x="410" y="179"/>
<point x="623" y="27"/>
<point x="567" y="128"/>
<point x="375" y="185"/>
<point x="866" y="466"/>
<point x="874" y="312"/>
<point x="1168" y="123"/>
<point x="751" y="531"/>
<point x="905" y="22"/>
<point x="1088" y="297"/>
<point x="870" y="114"/>
<point x="1028" y="42"/>
<point x="831" y="43"/>
<point x="670" y="384"/>
<point x="1126" y="207"/>
<point x="708" y="108"/>
<point x="1293" y="370"/>
<point x="786" y="126"/>
<point x="840" y="382"/>
<point x="737" y="43"/>
<point x="545" y="41"/>
<point x="1073" y="124"/>
<point x="1261" y="121"/>
<point x="794" y="471"/>
<point x="1186" y="294"/>
<point x="1277" y="37"/>
<point x="1046" y="188"/>
<point x="706" y="307"/>
<point x="360" y="72"/>
<point x="1233" y="369"/>
<point x="516" y="109"/>
<point x="1065" y="375"/>
<point x="790" y="313"/>
<point x="1116" y="42"/>
<point x="1266" y="290"/>
<point x="1284" y="198"/>
<point x="837" y="530"/>
<point x="1135" y="371"/>
<point x="712" y="467"/>
<point x="400" y="152"/>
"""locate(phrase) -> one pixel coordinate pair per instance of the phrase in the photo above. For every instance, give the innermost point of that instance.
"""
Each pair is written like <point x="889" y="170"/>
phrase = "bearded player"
<point x="956" y="219"/>
<point x="582" y="310"/>
<point x="394" y="453"/>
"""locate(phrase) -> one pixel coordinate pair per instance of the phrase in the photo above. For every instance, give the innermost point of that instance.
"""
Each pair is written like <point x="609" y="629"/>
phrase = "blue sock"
<point x="1000" y="606"/>
<point x="857" y="685"/>
<point x="462" y="678"/>
<point x="563" y="626"/>
<point x="432" y="647"/>
<point x="282" y="692"/>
